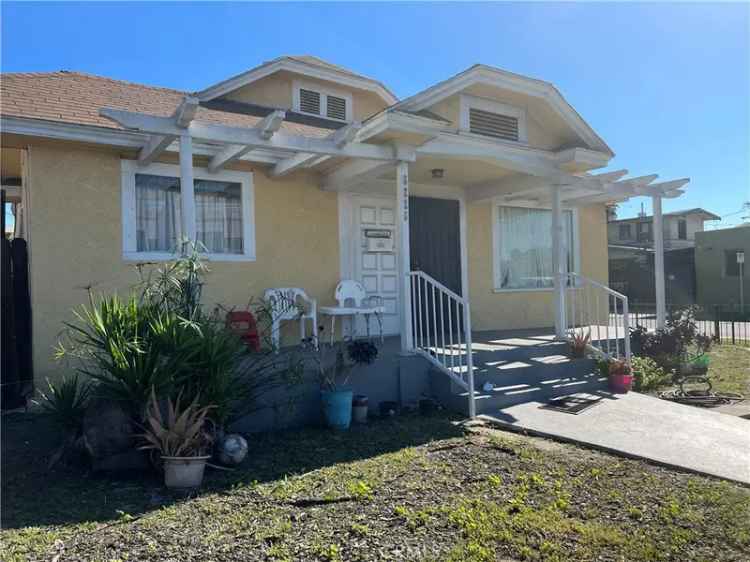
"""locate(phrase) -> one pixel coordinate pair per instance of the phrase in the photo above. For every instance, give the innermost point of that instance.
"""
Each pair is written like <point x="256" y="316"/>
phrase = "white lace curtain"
<point x="218" y="215"/>
<point x="158" y="218"/>
<point x="526" y="247"/>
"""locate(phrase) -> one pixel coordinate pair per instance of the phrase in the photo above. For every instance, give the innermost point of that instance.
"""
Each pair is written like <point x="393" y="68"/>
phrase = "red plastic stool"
<point x="243" y="324"/>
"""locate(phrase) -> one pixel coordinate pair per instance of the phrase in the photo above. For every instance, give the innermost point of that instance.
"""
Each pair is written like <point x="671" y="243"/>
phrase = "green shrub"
<point x="648" y="374"/>
<point x="65" y="401"/>
<point x="160" y="339"/>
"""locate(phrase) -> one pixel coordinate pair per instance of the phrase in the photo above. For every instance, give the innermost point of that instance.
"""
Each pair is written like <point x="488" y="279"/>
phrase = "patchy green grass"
<point x="729" y="370"/>
<point x="409" y="488"/>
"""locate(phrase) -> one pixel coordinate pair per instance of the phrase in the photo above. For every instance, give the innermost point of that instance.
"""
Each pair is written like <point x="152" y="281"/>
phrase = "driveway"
<point x="636" y="425"/>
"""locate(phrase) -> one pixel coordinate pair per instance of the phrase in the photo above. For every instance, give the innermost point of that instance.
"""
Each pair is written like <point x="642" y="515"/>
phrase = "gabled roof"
<point x="707" y="215"/>
<point x="695" y="211"/>
<point x="75" y="97"/>
<point x="483" y="74"/>
<point x="306" y="65"/>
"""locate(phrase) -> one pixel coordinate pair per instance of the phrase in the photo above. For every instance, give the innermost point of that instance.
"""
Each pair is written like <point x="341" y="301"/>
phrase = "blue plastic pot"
<point x="337" y="408"/>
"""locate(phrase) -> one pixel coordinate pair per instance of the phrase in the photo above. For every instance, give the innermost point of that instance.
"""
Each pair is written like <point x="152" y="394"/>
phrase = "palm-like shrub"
<point x="65" y="401"/>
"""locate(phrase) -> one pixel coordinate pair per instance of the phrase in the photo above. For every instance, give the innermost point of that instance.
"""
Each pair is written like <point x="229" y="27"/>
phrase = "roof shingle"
<point x="75" y="97"/>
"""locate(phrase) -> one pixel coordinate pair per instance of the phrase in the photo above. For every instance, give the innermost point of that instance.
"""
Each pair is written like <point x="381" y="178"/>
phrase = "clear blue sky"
<point x="666" y="85"/>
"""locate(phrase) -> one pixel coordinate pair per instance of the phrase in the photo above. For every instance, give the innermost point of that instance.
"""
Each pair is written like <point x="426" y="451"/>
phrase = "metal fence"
<point x="725" y="323"/>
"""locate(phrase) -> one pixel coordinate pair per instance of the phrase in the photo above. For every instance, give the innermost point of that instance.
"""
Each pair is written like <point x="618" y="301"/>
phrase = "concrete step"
<point x="516" y="384"/>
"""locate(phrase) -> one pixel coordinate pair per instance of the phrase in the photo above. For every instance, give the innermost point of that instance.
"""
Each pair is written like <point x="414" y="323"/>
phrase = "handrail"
<point x="585" y="313"/>
<point x="441" y="330"/>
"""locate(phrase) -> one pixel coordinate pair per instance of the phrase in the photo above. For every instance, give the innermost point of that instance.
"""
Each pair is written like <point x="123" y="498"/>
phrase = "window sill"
<point x="530" y="290"/>
<point x="166" y="256"/>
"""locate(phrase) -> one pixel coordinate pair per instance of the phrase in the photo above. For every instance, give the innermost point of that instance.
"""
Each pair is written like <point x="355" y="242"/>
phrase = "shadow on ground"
<point x="35" y="496"/>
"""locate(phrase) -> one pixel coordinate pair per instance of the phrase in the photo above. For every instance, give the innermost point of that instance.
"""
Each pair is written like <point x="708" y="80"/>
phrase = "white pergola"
<point x="538" y="176"/>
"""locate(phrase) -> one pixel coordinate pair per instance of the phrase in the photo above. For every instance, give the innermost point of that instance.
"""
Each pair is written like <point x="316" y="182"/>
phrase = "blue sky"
<point x="666" y="85"/>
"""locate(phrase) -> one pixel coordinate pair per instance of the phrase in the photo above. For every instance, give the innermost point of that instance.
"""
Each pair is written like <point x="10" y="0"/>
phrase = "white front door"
<point x="376" y="268"/>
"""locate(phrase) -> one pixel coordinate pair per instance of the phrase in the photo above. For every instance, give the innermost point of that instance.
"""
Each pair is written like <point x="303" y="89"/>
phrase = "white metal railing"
<point x="595" y="309"/>
<point x="441" y="330"/>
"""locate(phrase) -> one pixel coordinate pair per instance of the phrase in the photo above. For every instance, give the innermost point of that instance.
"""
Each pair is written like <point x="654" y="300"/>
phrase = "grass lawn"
<point x="729" y="371"/>
<point x="410" y="488"/>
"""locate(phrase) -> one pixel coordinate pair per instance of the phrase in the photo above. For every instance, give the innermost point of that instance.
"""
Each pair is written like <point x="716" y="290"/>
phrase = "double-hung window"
<point x="523" y="247"/>
<point x="153" y="223"/>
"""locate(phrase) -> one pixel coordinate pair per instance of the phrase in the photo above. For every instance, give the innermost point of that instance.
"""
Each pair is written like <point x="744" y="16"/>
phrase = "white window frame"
<point x="497" y="245"/>
<point x="467" y="102"/>
<point x="324" y="92"/>
<point x="129" y="168"/>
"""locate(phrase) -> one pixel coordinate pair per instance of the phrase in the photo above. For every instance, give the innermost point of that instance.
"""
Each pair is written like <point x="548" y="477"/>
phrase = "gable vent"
<point x="336" y="108"/>
<point x="309" y="101"/>
<point x="493" y="124"/>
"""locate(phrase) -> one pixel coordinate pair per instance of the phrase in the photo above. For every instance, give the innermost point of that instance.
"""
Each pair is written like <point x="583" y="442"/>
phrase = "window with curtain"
<point x="218" y="216"/>
<point x="157" y="213"/>
<point x="153" y="223"/>
<point x="525" y="247"/>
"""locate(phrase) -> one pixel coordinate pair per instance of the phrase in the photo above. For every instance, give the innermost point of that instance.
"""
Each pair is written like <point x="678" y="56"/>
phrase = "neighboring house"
<point x="285" y="172"/>
<point x="631" y="255"/>
<point x="717" y="270"/>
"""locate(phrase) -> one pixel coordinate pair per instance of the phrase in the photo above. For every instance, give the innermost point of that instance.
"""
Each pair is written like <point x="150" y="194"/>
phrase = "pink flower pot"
<point x="620" y="383"/>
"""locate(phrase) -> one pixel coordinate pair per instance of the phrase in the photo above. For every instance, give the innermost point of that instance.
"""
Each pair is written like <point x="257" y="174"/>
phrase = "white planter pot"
<point x="184" y="472"/>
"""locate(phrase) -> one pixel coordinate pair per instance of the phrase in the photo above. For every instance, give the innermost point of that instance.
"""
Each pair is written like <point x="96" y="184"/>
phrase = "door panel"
<point x="377" y="270"/>
<point x="435" y="239"/>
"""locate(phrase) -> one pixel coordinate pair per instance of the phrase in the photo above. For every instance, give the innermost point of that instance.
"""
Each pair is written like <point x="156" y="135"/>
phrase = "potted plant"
<point x="578" y="344"/>
<point x="620" y="376"/>
<point x="182" y="440"/>
<point x="334" y="364"/>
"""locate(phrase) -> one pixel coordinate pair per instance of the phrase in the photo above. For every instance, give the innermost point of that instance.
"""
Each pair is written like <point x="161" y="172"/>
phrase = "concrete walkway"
<point x="636" y="425"/>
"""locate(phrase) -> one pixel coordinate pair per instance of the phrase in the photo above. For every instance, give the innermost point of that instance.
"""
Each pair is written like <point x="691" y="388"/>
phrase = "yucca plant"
<point x="181" y="433"/>
<point x="65" y="401"/>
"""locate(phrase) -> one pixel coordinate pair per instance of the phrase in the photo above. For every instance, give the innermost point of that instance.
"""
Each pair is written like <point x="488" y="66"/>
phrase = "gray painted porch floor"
<point x="528" y="367"/>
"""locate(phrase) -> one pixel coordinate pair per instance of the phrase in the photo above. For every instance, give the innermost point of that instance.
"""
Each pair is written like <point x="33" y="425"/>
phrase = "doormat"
<point x="573" y="404"/>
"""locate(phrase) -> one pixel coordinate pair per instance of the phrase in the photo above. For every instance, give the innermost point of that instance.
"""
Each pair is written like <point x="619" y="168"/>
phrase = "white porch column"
<point x="186" y="188"/>
<point x="402" y="198"/>
<point x="661" y="305"/>
<point x="559" y="263"/>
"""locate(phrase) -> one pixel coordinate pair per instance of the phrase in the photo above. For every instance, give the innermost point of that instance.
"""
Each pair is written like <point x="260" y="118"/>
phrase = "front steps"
<point x="534" y="373"/>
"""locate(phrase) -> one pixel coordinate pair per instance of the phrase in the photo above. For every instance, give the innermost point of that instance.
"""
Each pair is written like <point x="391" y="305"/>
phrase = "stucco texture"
<point x="492" y="310"/>
<point x="76" y="242"/>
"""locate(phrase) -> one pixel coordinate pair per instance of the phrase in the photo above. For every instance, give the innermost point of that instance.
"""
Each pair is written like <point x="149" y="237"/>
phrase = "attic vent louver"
<point x="336" y="108"/>
<point x="309" y="101"/>
<point x="493" y="124"/>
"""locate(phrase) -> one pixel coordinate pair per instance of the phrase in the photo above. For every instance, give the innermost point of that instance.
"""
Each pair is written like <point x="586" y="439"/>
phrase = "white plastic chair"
<point x="291" y="303"/>
<point x="353" y="300"/>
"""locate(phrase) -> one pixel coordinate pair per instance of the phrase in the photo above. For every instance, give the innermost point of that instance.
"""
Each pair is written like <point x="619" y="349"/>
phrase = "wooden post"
<point x="559" y="263"/>
<point x="402" y="198"/>
<point x="187" y="189"/>
<point x="661" y="305"/>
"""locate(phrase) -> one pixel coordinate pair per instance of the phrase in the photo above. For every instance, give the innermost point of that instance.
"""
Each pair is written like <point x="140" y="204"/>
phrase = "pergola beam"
<point x="267" y="128"/>
<point x="153" y="148"/>
<point x="247" y="136"/>
<point x="156" y="144"/>
<point x="340" y="138"/>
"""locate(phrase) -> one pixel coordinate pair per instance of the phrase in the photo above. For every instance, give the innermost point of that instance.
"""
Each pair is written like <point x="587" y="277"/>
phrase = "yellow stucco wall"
<point x="492" y="310"/>
<point x="76" y="241"/>
<point x="276" y="91"/>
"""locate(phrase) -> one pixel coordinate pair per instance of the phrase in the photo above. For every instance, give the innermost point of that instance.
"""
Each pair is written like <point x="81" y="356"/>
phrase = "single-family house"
<point x="472" y="205"/>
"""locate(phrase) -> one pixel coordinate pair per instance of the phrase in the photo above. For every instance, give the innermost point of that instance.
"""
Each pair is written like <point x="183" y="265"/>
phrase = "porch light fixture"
<point x="437" y="173"/>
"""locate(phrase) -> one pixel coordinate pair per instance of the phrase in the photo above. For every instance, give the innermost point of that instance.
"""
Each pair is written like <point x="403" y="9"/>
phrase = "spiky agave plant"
<point x="181" y="433"/>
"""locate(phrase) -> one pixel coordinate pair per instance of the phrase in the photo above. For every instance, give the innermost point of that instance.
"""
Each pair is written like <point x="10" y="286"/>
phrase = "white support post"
<point x="661" y="305"/>
<point x="559" y="263"/>
<point x="187" y="197"/>
<point x="402" y="197"/>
